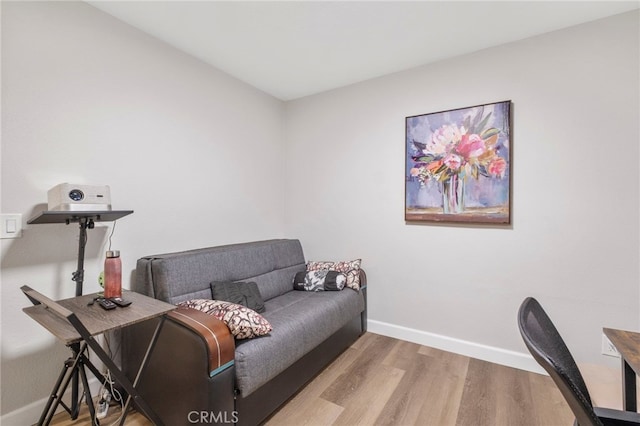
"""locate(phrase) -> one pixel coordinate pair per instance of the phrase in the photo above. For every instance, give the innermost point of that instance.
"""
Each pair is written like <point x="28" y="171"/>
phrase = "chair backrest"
<point x="547" y="347"/>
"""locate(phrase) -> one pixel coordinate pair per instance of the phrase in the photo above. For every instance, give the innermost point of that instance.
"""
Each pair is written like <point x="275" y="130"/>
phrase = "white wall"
<point x="573" y="242"/>
<point x="195" y="153"/>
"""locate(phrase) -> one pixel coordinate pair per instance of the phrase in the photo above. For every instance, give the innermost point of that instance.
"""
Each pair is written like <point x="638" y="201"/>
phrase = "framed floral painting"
<point x="458" y="165"/>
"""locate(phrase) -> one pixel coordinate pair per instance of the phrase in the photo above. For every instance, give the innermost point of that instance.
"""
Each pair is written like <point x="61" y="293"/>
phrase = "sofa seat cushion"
<point x="300" y="321"/>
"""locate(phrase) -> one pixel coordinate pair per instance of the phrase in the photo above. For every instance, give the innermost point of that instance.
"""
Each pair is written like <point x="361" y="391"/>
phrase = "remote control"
<point x="106" y="304"/>
<point x="120" y="302"/>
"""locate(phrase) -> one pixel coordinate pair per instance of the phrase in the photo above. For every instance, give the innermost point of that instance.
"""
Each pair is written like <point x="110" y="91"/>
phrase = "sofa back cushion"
<point x="176" y="277"/>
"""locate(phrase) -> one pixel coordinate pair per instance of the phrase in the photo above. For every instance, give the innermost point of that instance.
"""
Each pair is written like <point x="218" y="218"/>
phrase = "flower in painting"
<point x="463" y="149"/>
<point x="453" y="162"/>
<point x="443" y="139"/>
<point x="433" y="166"/>
<point x="497" y="167"/>
<point x="470" y="146"/>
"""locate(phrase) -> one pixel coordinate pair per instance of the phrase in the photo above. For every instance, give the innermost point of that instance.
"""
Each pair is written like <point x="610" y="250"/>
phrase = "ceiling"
<point x="292" y="49"/>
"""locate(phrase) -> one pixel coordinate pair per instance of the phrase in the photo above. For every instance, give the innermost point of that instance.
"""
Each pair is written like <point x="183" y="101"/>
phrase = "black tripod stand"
<point x="75" y="365"/>
<point x="78" y="360"/>
<point x="74" y="371"/>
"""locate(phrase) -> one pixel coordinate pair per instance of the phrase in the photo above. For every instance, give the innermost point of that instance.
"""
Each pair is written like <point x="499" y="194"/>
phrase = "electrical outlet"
<point x="608" y="348"/>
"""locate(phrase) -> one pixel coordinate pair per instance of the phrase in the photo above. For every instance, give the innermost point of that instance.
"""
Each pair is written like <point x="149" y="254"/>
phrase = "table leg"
<point x="629" y="399"/>
<point x="143" y="364"/>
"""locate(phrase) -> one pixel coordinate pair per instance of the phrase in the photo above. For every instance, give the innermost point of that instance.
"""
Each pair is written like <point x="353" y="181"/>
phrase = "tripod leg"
<point x="54" y="394"/>
<point x="87" y="393"/>
<point x="75" y="402"/>
<point x="70" y="365"/>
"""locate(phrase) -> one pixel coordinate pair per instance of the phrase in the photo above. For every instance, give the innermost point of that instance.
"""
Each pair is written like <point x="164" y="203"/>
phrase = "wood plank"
<point x="402" y="355"/>
<point x="345" y="388"/>
<point x="478" y="402"/>
<point x="320" y="412"/>
<point x="366" y="402"/>
<point x="447" y="376"/>
<point x="404" y="405"/>
<point x="513" y="396"/>
<point x="549" y="405"/>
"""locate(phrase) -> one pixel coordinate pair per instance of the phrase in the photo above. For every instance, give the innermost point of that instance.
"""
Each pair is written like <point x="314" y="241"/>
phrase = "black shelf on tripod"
<point x="76" y="216"/>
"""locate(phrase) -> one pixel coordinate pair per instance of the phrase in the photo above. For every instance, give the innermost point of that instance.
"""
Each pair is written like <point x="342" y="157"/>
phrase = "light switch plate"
<point x="11" y="225"/>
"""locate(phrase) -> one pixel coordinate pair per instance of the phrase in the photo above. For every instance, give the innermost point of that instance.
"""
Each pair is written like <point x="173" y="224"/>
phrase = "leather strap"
<point x="215" y="333"/>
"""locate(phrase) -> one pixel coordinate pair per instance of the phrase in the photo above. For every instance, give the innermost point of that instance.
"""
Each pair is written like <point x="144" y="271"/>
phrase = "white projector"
<point x="71" y="197"/>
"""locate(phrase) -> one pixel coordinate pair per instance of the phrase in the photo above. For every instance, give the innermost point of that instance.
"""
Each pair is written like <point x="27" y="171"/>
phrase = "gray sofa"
<point x="198" y="373"/>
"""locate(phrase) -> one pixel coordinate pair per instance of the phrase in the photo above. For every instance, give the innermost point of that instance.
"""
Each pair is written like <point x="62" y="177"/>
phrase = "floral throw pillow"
<point x="243" y="323"/>
<point x="351" y="269"/>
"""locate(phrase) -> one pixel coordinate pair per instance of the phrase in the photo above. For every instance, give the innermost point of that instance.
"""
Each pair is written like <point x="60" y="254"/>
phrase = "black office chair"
<point x="549" y="350"/>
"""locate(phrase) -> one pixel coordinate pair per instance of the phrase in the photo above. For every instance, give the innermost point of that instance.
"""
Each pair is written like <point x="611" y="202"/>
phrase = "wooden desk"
<point x="628" y="344"/>
<point x="94" y="318"/>
<point x="76" y="321"/>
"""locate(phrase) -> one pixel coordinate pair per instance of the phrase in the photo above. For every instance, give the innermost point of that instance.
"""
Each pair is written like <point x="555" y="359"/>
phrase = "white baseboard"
<point x="500" y="356"/>
<point x="29" y="414"/>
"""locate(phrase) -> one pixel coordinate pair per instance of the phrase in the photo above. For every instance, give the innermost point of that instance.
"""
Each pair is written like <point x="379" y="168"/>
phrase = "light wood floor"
<point x="384" y="381"/>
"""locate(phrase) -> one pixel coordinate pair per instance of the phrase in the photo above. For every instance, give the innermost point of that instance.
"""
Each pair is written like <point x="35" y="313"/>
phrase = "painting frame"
<point x="458" y="165"/>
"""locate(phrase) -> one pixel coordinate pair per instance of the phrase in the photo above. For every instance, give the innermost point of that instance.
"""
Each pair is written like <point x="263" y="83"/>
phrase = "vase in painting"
<point x="453" y="195"/>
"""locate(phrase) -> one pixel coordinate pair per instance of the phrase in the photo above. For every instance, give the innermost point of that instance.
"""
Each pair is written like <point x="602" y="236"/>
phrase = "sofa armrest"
<point x="215" y="334"/>
<point x="363" y="278"/>
<point x="363" y="290"/>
